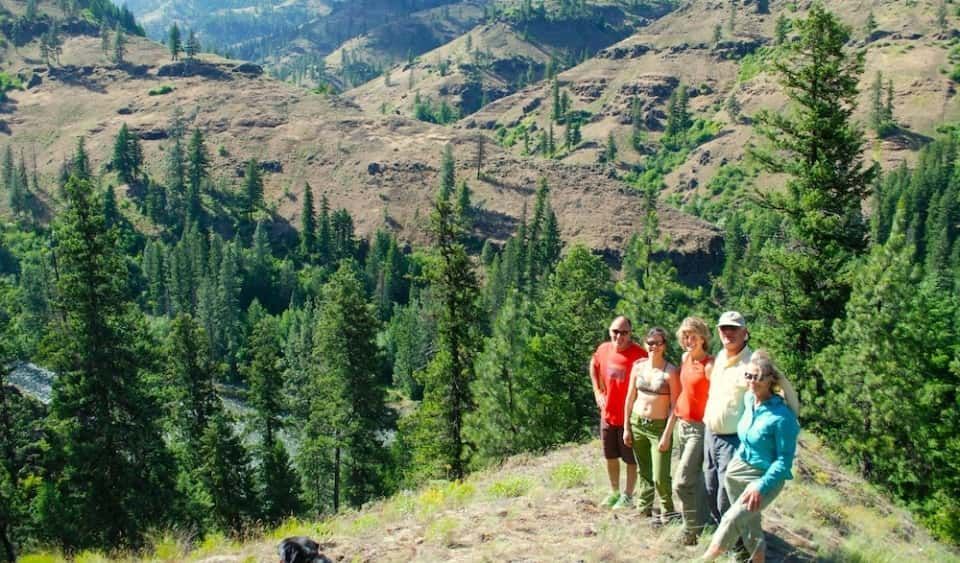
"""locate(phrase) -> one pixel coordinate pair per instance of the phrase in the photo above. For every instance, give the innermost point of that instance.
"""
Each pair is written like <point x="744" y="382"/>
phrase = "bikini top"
<point x="654" y="381"/>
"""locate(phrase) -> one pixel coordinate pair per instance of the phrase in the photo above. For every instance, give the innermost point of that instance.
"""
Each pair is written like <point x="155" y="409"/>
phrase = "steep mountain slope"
<point x="503" y="55"/>
<point x="545" y="509"/>
<point x="907" y="45"/>
<point x="380" y="168"/>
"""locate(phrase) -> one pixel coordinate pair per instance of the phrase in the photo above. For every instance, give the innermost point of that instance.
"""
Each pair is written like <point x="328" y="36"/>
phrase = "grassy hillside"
<point x="545" y="509"/>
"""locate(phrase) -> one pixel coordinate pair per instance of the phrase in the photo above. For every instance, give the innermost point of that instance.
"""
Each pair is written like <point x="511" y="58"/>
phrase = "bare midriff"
<point x="652" y="405"/>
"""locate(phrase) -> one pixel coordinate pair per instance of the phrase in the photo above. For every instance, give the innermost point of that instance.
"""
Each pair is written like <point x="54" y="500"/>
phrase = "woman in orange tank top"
<point x="694" y="337"/>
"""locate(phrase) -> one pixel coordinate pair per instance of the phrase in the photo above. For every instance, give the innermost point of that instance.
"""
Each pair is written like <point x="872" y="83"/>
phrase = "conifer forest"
<point x="213" y="369"/>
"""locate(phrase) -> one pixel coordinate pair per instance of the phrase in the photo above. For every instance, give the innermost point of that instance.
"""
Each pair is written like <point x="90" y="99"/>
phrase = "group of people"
<point x="735" y="420"/>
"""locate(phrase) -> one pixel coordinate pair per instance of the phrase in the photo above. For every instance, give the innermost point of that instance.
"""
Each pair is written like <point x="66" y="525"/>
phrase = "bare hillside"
<point x="381" y="168"/>
<point x="680" y="48"/>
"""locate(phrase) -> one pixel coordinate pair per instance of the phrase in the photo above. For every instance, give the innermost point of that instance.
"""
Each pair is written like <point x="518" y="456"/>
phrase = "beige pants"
<point x="738" y="522"/>
<point x="688" y="480"/>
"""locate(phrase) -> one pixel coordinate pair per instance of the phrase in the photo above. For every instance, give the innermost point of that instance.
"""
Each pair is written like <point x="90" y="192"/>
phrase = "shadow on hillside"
<point x="906" y="139"/>
<point x="8" y="105"/>
<point x="780" y="550"/>
<point x="494" y="224"/>
<point x="77" y="76"/>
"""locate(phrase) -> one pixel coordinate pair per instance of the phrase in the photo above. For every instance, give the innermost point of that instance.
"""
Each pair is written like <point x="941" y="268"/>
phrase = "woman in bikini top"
<point x="652" y="379"/>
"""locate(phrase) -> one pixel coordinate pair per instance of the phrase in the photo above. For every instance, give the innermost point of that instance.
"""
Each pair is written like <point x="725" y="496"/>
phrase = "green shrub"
<point x="165" y="89"/>
<point x="510" y="487"/>
<point x="569" y="475"/>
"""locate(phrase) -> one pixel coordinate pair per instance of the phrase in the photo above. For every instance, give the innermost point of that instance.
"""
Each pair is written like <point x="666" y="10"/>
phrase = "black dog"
<point x="301" y="550"/>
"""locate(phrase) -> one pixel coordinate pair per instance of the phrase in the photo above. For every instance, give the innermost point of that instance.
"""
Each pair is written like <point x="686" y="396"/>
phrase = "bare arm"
<point x="599" y="389"/>
<point x="628" y="408"/>
<point x="666" y="439"/>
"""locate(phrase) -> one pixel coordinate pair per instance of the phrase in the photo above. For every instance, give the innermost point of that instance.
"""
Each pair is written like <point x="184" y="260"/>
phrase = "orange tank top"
<point x="694" y="387"/>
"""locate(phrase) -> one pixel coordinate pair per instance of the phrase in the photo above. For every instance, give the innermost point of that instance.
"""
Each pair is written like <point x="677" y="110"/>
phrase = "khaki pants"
<point x="653" y="466"/>
<point x="738" y="522"/>
<point x="688" y="479"/>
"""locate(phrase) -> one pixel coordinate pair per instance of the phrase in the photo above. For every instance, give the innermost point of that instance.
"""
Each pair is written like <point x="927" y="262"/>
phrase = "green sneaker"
<point x="610" y="500"/>
<point x="625" y="501"/>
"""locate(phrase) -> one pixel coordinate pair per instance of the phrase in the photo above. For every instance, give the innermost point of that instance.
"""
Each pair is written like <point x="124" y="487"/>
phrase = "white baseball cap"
<point x="732" y="318"/>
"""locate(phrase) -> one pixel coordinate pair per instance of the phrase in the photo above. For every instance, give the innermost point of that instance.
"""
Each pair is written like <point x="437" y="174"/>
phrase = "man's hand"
<point x="601" y="400"/>
<point x="627" y="438"/>
<point x="752" y="498"/>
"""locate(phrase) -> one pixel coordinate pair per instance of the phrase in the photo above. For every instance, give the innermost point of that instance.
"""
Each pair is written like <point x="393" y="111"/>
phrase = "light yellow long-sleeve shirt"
<point x="727" y="386"/>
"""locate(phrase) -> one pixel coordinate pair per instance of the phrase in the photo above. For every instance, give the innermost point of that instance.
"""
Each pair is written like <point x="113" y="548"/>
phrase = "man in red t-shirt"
<point x="610" y="375"/>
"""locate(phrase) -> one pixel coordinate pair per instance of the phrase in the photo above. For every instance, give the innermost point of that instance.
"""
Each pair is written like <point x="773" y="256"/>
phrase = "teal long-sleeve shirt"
<point x="768" y="439"/>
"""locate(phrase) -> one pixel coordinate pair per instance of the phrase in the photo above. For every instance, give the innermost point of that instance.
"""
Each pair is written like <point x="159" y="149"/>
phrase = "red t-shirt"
<point x="694" y="388"/>
<point x="613" y="369"/>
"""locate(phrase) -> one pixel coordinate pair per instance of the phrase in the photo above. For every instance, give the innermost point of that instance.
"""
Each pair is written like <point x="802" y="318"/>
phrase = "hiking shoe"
<point x="625" y="501"/>
<point x="690" y="537"/>
<point x="610" y="500"/>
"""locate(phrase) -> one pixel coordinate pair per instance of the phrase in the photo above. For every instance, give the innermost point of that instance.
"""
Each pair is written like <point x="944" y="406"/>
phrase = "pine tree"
<point x="895" y="419"/>
<point x="102" y="419"/>
<point x="8" y="168"/>
<point x="225" y="473"/>
<point x="324" y="234"/>
<point x="104" y="39"/>
<point x="80" y="164"/>
<point x="436" y="431"/>
<point x="871" y="25"/>
<point x="567" y="321"/>
<point x="802" y="286"/>
<point x="127" y="155"/>
<point x="678" y="118"/>
<point x="174" y="41"/>
<point x="198" y="162"/>
<point x="276" y="481"/>
<point x="497" y="427"/>
<point x="781" y="29"/>
<point x="119" y="45"/>
<point x="252" y="187"/>
<point x="348" y="401"/>
<point x="308" y="225"/>
<point x="192" y="47"/>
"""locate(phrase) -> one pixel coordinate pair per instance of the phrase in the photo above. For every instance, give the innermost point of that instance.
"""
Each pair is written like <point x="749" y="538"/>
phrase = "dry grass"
<point x="545" y="509"/>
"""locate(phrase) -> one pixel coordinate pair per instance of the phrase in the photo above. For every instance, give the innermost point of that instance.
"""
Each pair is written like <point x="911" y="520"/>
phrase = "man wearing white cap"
<point x="724" y="407"/>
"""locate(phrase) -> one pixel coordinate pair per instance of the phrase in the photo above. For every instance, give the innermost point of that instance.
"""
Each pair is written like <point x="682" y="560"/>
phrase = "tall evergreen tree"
<point x="198" y="163"/>
<point x="119" y="45"/>
<point x="115" y="474"/>
<point x="277" y="483"/>
<point x="348" y="400"/>
<point x="802" y="286"/>
<point x="436" y="431"/>
<point x="174" y="41"/>
<point x="308" y="224"/>
<point x="252" y="187"/>
<point x="127" y="155"/>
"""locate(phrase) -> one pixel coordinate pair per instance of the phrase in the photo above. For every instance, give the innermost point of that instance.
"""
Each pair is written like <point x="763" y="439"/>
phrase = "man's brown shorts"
<point x="613" y="447"/>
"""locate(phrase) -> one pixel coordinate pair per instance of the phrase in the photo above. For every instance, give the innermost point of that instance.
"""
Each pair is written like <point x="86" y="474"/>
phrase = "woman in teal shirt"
<point x="768" y="433"/>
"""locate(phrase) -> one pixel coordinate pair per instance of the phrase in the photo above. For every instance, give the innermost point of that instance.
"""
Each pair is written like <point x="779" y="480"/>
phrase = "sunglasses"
<point x="653" y="343"/>
<point x="619" y="332"/>
<point x="753" y="376"/>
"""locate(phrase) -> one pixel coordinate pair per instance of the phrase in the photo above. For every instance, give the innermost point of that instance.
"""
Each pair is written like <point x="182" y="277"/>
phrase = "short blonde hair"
<point x="697" y="326"/>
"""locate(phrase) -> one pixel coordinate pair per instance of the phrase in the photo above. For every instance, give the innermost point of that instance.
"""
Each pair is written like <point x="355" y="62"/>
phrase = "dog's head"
<point x="301" y="550"/>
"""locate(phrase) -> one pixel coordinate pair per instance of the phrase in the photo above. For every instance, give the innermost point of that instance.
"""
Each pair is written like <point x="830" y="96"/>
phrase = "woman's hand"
<point x="627" y="438"/>
<point x="752" y="499"/>
<point x="664" y="445"/>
